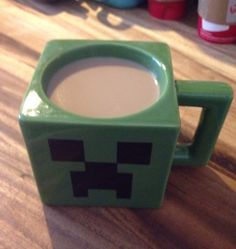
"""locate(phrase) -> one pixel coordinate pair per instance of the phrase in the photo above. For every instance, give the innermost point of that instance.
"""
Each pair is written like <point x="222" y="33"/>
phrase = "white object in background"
<point x="213" y="27"/>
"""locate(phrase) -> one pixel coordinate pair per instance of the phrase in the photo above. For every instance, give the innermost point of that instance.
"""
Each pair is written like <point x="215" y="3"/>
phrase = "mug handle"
<point x="215" y="99"/>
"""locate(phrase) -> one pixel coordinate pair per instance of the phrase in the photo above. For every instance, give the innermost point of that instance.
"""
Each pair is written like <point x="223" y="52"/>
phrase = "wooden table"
<point x="199" y="210"/>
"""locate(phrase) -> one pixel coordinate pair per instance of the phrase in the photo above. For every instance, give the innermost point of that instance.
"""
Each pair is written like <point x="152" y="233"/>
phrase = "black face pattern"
<point x="66" y="150"/>
<point x="101" y="175"/>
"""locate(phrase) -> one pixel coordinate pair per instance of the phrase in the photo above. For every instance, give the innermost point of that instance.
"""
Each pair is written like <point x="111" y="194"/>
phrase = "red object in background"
<point x="223" y="37"/>
<point x="167" y="10"/>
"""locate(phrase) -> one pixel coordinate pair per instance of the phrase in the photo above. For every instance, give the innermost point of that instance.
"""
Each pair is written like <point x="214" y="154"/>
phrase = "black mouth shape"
<point x="101" y="176"/>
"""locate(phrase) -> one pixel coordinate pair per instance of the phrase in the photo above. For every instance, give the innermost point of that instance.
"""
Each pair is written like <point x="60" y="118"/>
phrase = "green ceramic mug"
<point x="122" y="161"/>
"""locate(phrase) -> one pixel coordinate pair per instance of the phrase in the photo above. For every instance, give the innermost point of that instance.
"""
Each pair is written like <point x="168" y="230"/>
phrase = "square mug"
<point x="122" y="161"/>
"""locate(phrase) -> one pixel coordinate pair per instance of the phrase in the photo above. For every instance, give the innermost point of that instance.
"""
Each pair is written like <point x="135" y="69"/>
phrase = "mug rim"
<point x="36" y="107"/>
<point x="133" y="54"/>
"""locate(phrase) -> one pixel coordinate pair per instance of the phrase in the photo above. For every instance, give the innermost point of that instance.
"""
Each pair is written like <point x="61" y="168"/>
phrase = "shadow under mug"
<point x="123" y="161"/>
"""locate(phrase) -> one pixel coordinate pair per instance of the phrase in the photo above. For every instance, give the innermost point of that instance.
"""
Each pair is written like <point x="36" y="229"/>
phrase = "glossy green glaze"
<point x="158" y="125"/>
<point x="215" y="99"/>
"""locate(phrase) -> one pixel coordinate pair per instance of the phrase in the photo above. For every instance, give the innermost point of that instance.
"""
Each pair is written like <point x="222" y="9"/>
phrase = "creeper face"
<point x="100" y="175"/>
<point x="85" y="161"/>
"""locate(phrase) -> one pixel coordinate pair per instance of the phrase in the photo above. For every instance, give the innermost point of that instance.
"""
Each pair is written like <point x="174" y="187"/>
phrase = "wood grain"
<point x="199" y="209"/>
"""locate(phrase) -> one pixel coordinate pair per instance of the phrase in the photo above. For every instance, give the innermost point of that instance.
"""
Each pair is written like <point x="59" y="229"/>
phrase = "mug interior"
<point x="155" y="67"/>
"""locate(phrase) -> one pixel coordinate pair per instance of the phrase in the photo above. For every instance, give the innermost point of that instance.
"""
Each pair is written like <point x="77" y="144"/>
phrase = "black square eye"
<point x="134" y="153"/>
<point x="66" y="150"/>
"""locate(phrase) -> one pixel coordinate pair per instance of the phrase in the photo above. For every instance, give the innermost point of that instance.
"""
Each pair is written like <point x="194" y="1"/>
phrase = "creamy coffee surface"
<point x="103" y="87"/>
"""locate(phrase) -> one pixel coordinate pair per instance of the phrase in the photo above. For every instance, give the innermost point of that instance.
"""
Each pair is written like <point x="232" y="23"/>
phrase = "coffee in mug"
<point x="103" y="87"/>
